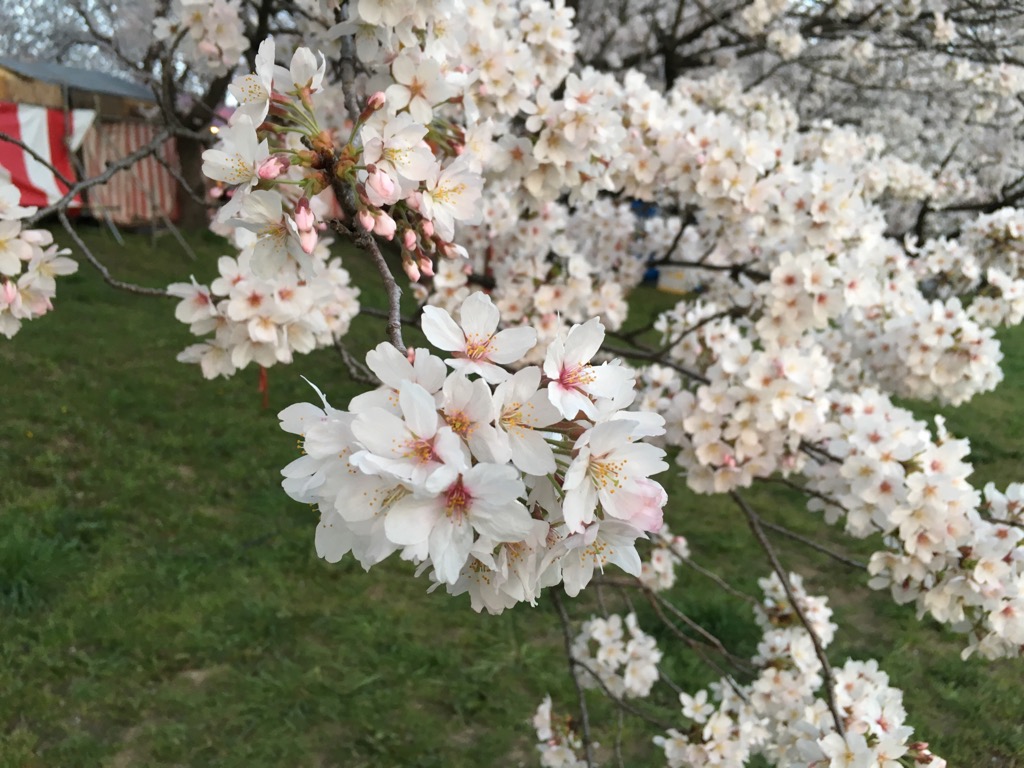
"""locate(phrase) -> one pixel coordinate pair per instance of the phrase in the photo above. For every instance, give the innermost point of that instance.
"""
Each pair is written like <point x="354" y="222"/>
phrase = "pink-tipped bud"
<point x="385" y="226"/>
<point x="427" y="227"/>
<point x="9" y="291"/>
<point x="426" y="266"/>
<point x="409" y="240"/>
<point x="413" y="201"/>
<point x="410" y="355"/>
<point x="273" y="167"/>
<point x="304" y="218"/>
<point x="374" y="103"/>
<point x="411" y="269"/>
<point x="308" y="240"/>
<point x="380" y="188"/>
<point x="365" y="219"/>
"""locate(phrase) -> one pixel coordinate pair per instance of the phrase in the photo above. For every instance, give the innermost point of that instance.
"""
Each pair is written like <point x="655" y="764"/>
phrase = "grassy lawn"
<point x="161" y="602"/>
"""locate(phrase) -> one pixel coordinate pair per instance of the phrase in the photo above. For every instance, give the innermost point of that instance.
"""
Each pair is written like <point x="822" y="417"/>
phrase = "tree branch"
<point x="588" y="745"/>
<point x="755" y="526"/>
<point x="112" y="168"/>
<point x="37" y="157"/>
<point x="104" y="272"/>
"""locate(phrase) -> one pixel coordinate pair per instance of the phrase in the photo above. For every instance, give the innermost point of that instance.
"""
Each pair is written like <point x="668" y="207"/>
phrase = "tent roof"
<point x="79" y="79"/>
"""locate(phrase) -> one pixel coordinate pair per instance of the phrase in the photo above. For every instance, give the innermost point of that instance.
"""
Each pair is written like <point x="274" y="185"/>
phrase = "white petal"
<point x="441" y="331"/>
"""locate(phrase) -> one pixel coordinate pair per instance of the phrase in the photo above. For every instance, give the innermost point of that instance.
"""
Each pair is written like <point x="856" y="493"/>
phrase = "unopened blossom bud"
<point x="373" y="104"/>
<point x="273" y="167"/>
<point x="365" y="219"/>
<point x="427" y="227"/>
<point x="380" y="188"/>
<point x="410" y="355"/>
<point x="411" y="269"/>
<point x="308" y="240"/>
<point x="426" y="266"/>
<point x="304" y="218"/>
<point x="9" y="291"/>
<point x="384" y="226"/>
<point x="409" y="240"/>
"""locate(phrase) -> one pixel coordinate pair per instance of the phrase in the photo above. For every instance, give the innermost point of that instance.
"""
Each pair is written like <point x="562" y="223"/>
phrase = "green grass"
<point x="161" y="602"/>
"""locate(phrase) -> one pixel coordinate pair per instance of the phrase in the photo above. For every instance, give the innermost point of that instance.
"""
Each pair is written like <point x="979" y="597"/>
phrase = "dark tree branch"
<point x="588" y="745"/>
<point x="104" y="272"/>
<point x="756" y="528"/>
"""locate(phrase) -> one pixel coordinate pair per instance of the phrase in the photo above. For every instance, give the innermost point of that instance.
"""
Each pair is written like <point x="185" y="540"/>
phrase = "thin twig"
<point x="639" y="354"/>
<point x="619" y="721"/>
<point x="356" y="370"/>
<point x="755" y="526"/>
<point x="722" y="583"/>
<point x="37" y="157"/>
<point x="783" y="531"/>
<point x="112" y="168"/>
<point x="619" y="701"/>
<point x="588" y="746"/>
<point x="104" y="272"/>
<point x="367" y="242"/>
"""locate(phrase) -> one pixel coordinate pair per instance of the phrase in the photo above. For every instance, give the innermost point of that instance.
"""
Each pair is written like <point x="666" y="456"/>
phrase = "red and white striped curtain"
<point x="146" y="191"/>
<point x="53" y="135"/>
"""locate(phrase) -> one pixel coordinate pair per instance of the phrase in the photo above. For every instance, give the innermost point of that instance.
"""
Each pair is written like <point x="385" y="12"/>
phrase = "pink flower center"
<point x="477" y="348"/>
<point x="576" y="376"/>
<point x="421" y="450"/>
<point x="457" y="500"/>
<point x="460" y="423"/>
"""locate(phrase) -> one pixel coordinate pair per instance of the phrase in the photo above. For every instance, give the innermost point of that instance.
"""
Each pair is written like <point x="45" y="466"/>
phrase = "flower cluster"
<point x="658" y="573"/>
<point x="502" y="484"/>
<point x="266" y="321"/>
<point x="29" y="262"/>
<point x="886" y="474"/>
<point x="548" y="268"/>
<point x="212" y="27"/>
<point x="625" y="665"/>
<point x="560" y="745"/>
<point x="758" y="406"/>
<point x="781" y="714"/>
<point x="986" y="262"/>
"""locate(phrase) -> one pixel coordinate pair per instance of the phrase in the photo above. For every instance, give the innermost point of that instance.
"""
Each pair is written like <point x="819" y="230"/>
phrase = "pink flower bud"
<point x="376" y="101"/>
<point x="427" y="227"/>
<point x="426" y="266"/>
<point x="273" y="167"/>
<point x="385" y="226"/>
<point x="308" y="240"/>
<point x="411" y="269"/>
<point x="381" y="189"/>
<point x="365" y="219"/>
<point x="9" y="291"/>
<point x="304" y="218"/>
<point x="410" y="355"/>
<point x="409" y="240"/>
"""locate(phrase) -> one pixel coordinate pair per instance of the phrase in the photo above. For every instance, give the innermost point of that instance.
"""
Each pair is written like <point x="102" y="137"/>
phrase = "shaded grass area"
<point x="162" y="604"/>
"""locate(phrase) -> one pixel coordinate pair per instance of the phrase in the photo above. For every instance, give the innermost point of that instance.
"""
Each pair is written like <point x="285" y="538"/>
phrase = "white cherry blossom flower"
<point x="451" y="194"/>
<point x="478" y="345"/>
